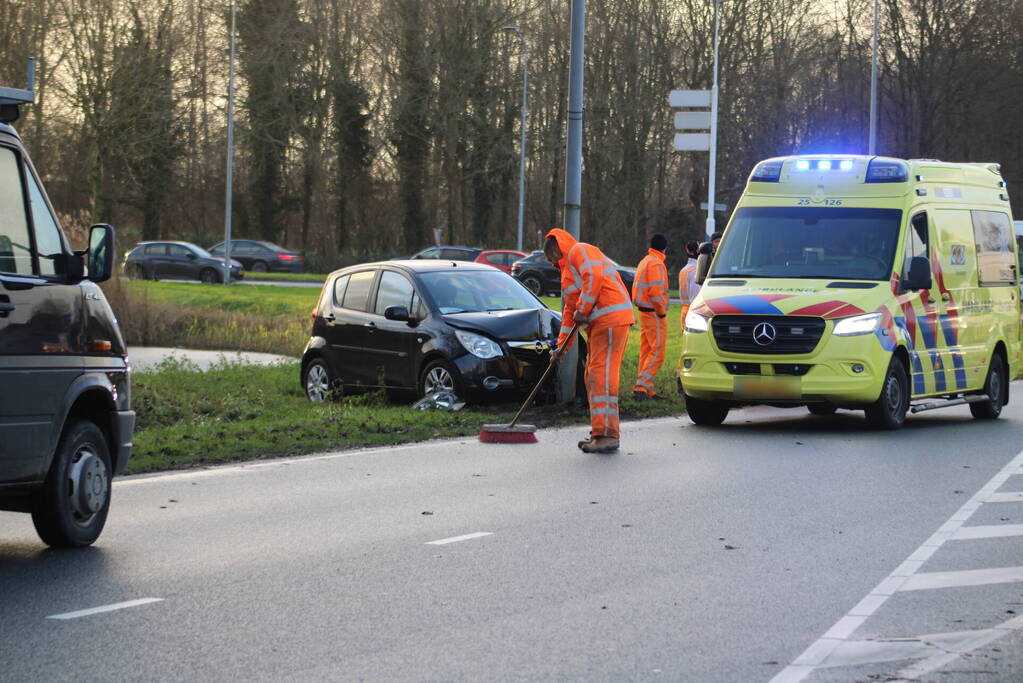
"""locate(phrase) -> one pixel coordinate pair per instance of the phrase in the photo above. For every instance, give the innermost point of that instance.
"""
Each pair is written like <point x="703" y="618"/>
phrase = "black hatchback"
<point x="262" y="257"/>
<point x="416" y="327"/>
<point x="177" y="261"/>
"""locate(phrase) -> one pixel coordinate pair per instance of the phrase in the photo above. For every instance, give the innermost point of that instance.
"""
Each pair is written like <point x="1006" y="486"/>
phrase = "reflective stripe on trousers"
<point x="654" y="339"/>
<point x="603" y="373"/>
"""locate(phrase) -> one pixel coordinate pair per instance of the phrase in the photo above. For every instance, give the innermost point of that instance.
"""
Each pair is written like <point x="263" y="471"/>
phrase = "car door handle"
<point x="371" y="326"/>
<point x="329" y="317"/>
<point x="6" y="307"/>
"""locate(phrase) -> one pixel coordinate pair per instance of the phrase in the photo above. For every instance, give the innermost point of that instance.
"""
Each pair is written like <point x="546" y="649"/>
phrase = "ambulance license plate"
<point x="767" y="387"/>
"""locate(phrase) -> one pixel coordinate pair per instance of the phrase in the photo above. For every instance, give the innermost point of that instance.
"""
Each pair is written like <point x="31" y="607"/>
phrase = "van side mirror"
<point x="919" y="276"/>
<point x="702" y="267"/>
<point x="101" y="252"/>
<point x="398" y="313"/>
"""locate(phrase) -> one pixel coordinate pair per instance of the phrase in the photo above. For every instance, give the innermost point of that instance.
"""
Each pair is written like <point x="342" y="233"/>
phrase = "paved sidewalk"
<point x="147" y="357"/>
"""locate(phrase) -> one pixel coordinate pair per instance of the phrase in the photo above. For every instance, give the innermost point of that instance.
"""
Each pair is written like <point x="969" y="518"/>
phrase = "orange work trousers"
<point x="603" y="372"/>
<point x="652" y="342"/>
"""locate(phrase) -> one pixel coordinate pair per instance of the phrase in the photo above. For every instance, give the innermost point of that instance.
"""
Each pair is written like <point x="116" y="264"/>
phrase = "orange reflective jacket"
<point x="650" y="288"/>
<point x="591" y="286"/>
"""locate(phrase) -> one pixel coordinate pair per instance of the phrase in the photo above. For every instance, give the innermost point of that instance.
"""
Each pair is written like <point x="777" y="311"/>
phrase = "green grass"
<point x="286" y="277"/>
<point x="265" y="300"/>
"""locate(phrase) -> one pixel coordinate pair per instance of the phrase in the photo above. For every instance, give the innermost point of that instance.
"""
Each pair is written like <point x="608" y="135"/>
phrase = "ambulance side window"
<point x="917" y="242"/>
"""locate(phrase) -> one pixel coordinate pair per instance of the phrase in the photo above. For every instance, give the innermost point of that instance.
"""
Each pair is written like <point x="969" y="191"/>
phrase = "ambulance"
<point x="858" y="282"/>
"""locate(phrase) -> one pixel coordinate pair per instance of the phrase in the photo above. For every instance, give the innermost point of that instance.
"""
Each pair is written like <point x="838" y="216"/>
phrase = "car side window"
<point x="917" y="242"/>
<point x="495" y="259"/>
<point x="340" y="285"/>
<point x="178" y="251"/>
<point x="395" y="290"/>
<point x="48" y="240"/>
<point x="456" y="254"/>
<point x="15" y="241"/>
<point x="357" y="292"/>
<point x="430" y="253"/>
<point x="156" y="249"/>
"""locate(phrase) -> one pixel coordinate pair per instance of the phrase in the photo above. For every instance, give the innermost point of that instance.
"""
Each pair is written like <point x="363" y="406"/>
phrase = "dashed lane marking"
<point x="905" y="577"/>
<point x="104" y="608"/>
<point x="456" y="539"/>
<point x="988" y="531"/>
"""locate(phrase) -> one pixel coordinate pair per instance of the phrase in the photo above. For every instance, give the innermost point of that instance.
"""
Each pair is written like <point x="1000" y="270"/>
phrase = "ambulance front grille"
<point x="780" y="334"/>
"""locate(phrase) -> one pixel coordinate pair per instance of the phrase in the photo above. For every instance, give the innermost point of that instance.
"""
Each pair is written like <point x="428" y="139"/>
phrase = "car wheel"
<point x="821" y="409"/>
<point x="71" y="508"/>
<point x="259" y="267"/>
<point x="533" y="284"/>
<point x="318" y="383"/>
<point x="209" y="276"/>
<point x="996" y="387"/>
<point x="706" y="413"/>
<point x="440" y="375"/>
<point x="889" y="410"/>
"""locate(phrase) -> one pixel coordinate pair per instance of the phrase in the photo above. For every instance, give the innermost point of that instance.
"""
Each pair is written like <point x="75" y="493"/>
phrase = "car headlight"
<point x="696" y="322"/>
<point x="858" y="324"/>
<point x="478" y="345"/>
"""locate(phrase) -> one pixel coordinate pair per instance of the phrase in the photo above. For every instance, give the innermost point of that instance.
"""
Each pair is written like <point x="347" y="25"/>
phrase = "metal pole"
<point x="712" y="172"/>
<point x="573" y="171"/>
<point x="230" y="155"/>
<point x="872" y="137"/>
<point x="523" y="115"/>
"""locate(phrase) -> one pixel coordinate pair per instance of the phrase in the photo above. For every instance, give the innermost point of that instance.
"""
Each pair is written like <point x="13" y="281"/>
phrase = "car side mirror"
<point x="397" y="313"/>
<point x="101" y="252"/>
<point x="702" y="267"/>
<point x="919" y="276"/>
<point x="192" y="256"/>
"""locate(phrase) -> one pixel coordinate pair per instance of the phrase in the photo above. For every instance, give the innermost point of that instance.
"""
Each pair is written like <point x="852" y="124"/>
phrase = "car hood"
<point x="761" y="296"/>
<point x="524" y="324"/>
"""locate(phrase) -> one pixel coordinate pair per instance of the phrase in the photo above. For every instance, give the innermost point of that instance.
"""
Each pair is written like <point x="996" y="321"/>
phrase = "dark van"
<point x="65" y="422"/>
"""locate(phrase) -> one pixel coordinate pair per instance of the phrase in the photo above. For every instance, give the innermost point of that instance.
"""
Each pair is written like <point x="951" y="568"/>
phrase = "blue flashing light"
<point x="824" y="165"/>
<point x="846" y="165"/>
<point x="767" y="171"/>
<point x="887" y="171"/>
<point x="802" y="165"/>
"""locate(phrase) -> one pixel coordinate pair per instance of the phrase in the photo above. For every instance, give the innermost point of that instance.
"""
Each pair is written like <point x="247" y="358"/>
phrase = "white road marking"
<point x="105" y="608"/>
<point x="966" y="577"/>
<point x="815" y="655"/>
<point x="456" y="539"/>
<point x="860" y="652"/>
<point x="988" y="531"/>
<point x="980" y="639"/>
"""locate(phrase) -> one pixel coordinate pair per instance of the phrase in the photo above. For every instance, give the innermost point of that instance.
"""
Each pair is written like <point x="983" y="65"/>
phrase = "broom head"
<point x="508" y="434"/>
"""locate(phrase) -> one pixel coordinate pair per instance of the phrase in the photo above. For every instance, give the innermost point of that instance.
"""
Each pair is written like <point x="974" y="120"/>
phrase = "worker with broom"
<point x="595" y="299"/>
<point x="650" y="293"/>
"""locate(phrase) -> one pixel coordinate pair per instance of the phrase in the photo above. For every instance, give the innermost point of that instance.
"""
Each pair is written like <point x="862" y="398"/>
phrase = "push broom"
<point x="516" y="433"/>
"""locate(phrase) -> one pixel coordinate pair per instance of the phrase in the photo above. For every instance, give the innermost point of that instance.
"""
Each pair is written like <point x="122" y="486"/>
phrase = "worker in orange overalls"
<point x="650" y="294"/>
<point x="687" y="287"/>
<point x="595" y="298"/>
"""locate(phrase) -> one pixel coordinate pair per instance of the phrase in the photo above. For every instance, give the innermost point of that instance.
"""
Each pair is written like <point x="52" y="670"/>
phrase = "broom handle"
<point x="543" y="377"/>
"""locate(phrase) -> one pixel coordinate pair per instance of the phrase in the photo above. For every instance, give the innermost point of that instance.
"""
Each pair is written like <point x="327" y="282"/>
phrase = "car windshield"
<point x="474" y="291"/>
<point x="809" y="242"/>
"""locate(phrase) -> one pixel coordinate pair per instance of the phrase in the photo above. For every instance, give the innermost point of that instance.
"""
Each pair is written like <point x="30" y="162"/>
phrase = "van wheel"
<point x="706" y="413"/>
<point x="889" y="410"/>
<point x="996" y="387"/>
<point x="821" y="409"/>
<point x="318" y="383"/>
<point x="71" y="508"/>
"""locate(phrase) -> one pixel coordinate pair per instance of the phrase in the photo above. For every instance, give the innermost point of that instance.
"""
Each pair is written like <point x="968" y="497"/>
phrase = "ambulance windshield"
<point x="809" y="242"/>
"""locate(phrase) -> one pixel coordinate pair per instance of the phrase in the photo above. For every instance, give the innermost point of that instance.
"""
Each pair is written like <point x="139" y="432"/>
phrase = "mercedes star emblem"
<point x="764" y="334"/>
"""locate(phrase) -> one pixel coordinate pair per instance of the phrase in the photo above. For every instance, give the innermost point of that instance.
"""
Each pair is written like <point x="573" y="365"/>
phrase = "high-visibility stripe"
<point x="565" y="329"/>
<point x="569" y="289"/>
<point x="645" y="285"/>
<point x="604" y="399"/>
<point x="589" y="265"/>
<point x="604" y="411"/>
<point x="609" y="309"/>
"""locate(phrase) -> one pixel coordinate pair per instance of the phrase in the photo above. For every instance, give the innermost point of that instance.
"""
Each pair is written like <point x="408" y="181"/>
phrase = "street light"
<point x="872" y="136"/>
<point x="230" y="153"/>
<point x="522" y="125"/>
<point x="712" y="172"/>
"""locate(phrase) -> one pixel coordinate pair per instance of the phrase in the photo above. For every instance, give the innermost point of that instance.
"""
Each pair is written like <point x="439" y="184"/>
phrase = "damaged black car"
<point x="414" y="328"/>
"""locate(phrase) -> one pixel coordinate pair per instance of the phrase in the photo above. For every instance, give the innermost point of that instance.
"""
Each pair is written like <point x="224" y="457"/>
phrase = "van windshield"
<point x="809" y="242"/>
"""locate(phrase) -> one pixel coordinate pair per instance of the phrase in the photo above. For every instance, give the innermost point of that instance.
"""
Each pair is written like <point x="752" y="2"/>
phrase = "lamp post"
<point x="872" y="136"/>
<point x="230" y="154"/>
<point x="523" y="113"/>
<point x="712" y="171"/>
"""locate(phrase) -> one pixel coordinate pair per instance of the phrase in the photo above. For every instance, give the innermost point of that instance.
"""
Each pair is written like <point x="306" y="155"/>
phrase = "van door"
<point x="997" y="282"/>
<point x="41" y="342"/>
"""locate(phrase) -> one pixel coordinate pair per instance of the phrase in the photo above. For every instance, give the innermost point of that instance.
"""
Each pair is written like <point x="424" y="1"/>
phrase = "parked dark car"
<point x="177" y="261"/>
<point x="448" y="253"/>
<point x="543" y="277"/>
<point x="65" y="418"/>
<point x="257" y="256"/>
<point x="415" y="327"/>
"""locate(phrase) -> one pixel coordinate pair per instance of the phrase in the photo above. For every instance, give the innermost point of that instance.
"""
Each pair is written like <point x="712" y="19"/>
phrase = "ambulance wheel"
<point x="889" y="410"/>
<point x="821" y="409"/>
<point x="706" y="413"/>
<point x="996" y="387"/>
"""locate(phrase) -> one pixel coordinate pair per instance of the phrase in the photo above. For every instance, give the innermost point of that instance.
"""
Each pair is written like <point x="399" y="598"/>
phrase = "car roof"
<point x="183" y="244"/>
<point x="424" y="266"/>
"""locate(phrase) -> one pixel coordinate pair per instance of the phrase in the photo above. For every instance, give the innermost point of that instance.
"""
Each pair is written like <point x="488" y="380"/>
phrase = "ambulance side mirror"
<point x="919" y="276"/>
<point x="702" y="266"/>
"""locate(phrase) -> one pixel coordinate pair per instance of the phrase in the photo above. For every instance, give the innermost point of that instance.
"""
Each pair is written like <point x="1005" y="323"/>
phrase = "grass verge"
<point x="286" y="277"/>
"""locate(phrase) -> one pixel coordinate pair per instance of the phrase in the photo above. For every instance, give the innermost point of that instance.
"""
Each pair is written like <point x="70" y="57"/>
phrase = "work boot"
<point x="601" y="444"/>
<point x="640" y="395"/>
<point x="584" y="444"/>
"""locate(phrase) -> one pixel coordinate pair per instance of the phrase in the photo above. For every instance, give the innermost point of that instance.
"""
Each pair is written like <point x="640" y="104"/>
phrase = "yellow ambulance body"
<point x="859" y="282"/>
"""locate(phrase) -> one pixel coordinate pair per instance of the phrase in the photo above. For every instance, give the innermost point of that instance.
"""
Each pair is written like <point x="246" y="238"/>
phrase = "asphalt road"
<point x="780" y="546"/>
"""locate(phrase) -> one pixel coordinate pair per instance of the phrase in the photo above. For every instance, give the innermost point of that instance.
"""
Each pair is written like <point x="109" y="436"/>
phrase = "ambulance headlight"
<point x="858" y="324"/>
<point x="696" y="322"/>
<point x="478" y="345"/>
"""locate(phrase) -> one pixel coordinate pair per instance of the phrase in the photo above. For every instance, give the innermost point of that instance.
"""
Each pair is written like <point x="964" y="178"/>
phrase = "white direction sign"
<point x="692" y="120"/>
<point x="692" y="142"/>
<point x="689" y="98"/>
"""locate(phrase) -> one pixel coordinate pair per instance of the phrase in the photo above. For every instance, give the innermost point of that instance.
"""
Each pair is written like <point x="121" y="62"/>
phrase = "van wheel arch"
<point x="96" y="406"/>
